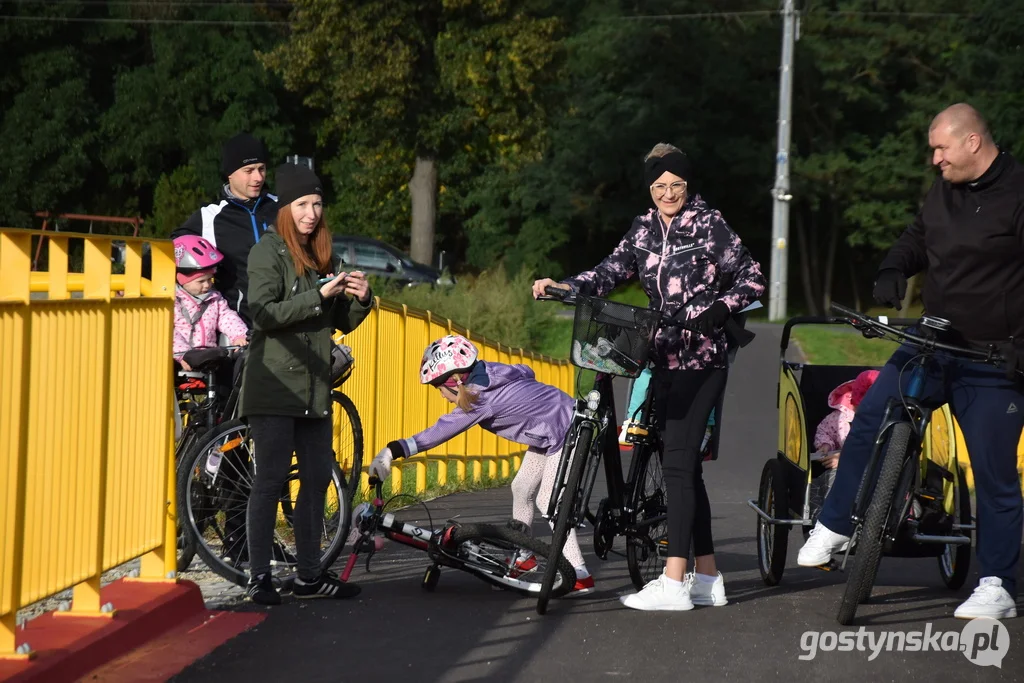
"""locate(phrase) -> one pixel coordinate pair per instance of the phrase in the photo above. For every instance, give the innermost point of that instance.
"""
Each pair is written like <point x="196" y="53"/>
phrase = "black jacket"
<point x="970" y="238"/>
<point x="233" y="226"/>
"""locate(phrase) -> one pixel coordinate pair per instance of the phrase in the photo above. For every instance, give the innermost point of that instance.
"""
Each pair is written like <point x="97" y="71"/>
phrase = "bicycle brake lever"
<point x="370" y="554"/>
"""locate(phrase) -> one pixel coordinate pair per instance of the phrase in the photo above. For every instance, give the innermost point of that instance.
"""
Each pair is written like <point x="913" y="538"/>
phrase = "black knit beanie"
<point x="239" y="151"/>
<point x="292" y="181"/>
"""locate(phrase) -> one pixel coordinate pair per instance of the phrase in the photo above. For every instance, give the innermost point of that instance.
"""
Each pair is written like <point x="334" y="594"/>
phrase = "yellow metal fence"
<point x="86" y="429"/>
<point x="392" y="403"/>
<point x="86" y="438"/>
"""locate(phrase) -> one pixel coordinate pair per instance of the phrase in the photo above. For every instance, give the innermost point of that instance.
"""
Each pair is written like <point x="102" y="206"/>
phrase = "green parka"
<point x="288" y="369"/>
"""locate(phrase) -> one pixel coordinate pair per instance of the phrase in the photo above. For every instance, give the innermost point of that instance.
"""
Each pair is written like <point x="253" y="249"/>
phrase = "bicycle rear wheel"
<point x="491" y="553"/>
<point x="647" y="545"/>
<point x="215" y="481"/>
<point x="872" y="533"/>
<point x="566" y="517"/>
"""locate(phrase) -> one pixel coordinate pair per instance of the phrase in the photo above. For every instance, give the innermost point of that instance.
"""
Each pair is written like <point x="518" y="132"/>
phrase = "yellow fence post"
<point x="160" y="564"/>
<point x="86" y="595"/>
<point x="15" y="264"/>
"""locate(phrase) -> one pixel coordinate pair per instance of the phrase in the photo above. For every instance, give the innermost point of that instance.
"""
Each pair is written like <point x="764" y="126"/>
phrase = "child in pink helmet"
<point x="200" y="312"/>
<point x="506" y="400"/>
<point x="832" y="431"/>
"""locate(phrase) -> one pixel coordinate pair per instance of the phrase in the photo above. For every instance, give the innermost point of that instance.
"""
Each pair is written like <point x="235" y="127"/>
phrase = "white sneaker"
<point x="989" y="599"/>
<point x="820" y="546"/>
<point x="659" y="595"/>
<point x="711" y="594"/>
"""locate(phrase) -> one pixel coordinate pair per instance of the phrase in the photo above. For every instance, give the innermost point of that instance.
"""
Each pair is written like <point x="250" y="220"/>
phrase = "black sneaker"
<point x="261" y="591"/>
<point x="327" y="586"/>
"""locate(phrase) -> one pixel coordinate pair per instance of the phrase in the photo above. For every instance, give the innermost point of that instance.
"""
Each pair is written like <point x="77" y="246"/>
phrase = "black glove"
<point x="890" y="288"/>
<point x="711" y="319"/>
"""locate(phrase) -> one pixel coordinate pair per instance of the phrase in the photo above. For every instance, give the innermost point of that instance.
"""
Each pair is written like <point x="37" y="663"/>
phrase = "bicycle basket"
<point x="611" y="337"/>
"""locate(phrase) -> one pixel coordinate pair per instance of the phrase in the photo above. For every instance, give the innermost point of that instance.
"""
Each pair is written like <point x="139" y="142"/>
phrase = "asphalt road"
<point x="465" y="631"/>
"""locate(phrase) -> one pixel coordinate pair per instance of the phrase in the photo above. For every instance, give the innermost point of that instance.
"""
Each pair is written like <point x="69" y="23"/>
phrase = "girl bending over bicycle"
<point x="506" y="400"/>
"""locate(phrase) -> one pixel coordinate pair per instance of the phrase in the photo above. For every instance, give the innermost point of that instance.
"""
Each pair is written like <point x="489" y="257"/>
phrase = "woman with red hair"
<point x="296" y="302"/>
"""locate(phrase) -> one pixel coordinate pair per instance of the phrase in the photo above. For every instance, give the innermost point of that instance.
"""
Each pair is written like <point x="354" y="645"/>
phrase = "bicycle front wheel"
<point x="872" y="533"/>
<point x="214" y="483"/>
<point x="647" y="543"/>
<point x="348" y="442"/>
<point x="566" y="519"/>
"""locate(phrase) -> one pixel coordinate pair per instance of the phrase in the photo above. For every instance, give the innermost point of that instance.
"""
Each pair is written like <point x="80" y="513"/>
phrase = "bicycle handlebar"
<point x="731" y="327"/>
<point x="859" y="320"/>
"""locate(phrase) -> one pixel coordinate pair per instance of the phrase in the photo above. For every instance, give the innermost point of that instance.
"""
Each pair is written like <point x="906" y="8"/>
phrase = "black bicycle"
<point x="900" y="510"/>
<point x="215" y="477"/>
<point x="613" y="339"/>
<point x="202" y="407"/>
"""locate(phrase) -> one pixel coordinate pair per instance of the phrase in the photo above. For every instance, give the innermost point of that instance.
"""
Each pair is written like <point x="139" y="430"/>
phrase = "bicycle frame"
<point x="618" y="484"/>
<point x="431" y="542"/>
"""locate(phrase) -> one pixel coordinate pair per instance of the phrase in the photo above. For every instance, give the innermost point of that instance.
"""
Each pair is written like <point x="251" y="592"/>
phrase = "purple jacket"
<point x="692" y="263"/>
<point x="510" y="403"/>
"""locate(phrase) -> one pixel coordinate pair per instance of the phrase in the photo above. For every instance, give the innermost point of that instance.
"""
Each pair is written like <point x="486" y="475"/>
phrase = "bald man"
<point x="969" y="238"/>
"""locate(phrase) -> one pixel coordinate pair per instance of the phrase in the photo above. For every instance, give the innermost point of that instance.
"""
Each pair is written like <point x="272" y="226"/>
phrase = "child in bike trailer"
<point x="200" y="311"/>
<point x="506" y="400"/>
<point x="832" y="431"/>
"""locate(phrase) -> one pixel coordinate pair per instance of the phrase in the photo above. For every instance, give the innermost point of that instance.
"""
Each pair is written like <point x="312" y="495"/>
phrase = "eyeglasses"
<point x="659" y="189"/>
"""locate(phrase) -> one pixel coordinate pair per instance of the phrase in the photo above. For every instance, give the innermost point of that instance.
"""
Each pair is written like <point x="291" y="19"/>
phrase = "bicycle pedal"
<point x="636" y="431"/>
<point x="830" y="566"/>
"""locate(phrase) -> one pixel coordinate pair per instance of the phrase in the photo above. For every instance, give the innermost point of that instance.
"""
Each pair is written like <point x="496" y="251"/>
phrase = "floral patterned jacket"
<point x="690" y="264"/>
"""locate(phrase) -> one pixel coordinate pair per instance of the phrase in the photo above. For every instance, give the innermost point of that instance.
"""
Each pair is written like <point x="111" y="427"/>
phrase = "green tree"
<point x="175" y="198"/>
<point x="192" y="87"/>
<point x="419" y="97"/>
<point x="867" y="86"/>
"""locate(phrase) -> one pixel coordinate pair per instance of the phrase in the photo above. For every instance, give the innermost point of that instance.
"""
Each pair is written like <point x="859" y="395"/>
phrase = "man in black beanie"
<point x="240" y="216"/>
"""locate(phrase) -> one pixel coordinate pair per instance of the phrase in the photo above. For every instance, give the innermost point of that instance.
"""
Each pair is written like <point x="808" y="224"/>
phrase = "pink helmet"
<point x="192" y="252"/>
<point x="453" y="353"/>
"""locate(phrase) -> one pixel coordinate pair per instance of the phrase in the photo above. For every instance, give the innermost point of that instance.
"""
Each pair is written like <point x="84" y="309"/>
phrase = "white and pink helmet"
<point x="453" y="353"/>
<point x="192" y="252"/>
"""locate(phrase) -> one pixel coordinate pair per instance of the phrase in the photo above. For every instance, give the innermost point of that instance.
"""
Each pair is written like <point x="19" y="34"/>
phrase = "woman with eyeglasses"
<point x="688" y="260"/>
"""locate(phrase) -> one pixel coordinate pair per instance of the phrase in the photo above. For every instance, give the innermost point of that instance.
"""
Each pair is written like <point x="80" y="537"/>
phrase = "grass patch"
<point x="841" y="346"/>
<point x="490" y="304"/>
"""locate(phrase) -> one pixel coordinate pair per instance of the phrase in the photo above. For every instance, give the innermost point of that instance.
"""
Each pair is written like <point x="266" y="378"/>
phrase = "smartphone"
<point x="324" y="280"/>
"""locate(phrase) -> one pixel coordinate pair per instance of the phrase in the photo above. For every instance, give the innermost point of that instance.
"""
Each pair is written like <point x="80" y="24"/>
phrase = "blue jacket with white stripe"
<point x="233" y="226"/>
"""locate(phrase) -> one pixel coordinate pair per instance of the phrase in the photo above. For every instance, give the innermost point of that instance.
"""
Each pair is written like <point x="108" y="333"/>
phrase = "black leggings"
<point x="684" y="400"/>
<point x="275" y="439"/>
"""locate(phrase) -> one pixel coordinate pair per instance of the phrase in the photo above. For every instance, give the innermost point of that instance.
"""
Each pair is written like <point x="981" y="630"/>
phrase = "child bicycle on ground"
<point x="506" y="400"/>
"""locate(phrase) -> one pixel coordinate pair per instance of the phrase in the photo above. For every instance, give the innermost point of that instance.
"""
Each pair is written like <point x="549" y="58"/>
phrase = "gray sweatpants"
<point x="275" y="439"/>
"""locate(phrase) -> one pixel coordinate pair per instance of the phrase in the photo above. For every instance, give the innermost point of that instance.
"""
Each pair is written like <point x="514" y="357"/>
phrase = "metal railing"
<point x="86" y="436"/>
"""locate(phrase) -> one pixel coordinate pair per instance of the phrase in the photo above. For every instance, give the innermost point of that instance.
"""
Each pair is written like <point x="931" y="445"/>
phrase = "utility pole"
<point x="780" y="193"/>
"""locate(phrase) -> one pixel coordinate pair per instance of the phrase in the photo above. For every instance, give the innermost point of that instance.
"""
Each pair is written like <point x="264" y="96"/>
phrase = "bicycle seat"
<point x="205" y="359"/>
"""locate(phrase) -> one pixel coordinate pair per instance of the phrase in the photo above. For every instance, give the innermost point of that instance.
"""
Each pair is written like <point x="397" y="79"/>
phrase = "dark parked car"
<point x="374" y="257"/>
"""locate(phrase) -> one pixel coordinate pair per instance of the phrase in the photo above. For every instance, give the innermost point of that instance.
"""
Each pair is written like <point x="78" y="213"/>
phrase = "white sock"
<point x="706" y="578"/>
<point x="581" y="571"/>
<point x="669" y="581"/>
